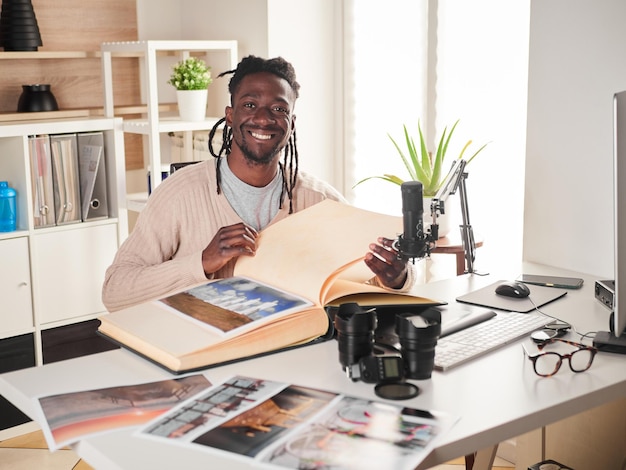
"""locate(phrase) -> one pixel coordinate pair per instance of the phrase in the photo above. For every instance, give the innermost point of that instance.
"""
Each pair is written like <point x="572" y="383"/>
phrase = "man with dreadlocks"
<point x="201" y="218"/>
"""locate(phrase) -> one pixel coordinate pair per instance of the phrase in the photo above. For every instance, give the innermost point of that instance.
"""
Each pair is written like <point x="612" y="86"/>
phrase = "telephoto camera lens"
<point x="355" y="332"/>
<point x="418" y="334"/>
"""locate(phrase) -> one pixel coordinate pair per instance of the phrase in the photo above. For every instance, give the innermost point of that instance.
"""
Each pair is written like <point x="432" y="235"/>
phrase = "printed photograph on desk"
<point x="287" y="426"/>
<point x="71" y="416"/>
<point x="233" y="304"/>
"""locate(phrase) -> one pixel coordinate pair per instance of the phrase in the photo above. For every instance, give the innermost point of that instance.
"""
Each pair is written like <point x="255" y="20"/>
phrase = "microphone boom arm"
<point x="456" y="180"/>
<point x="467" y="234"/>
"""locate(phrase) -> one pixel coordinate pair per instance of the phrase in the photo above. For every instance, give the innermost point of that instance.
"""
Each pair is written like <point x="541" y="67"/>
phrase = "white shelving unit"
<point x="153" y="124"/>
<point x="52" y="276"/>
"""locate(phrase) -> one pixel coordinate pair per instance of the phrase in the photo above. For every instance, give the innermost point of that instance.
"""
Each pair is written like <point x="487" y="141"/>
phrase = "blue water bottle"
<point x="7" y="207"/>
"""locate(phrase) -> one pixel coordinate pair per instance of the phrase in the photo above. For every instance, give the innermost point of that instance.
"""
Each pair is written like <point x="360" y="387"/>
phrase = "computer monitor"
<point x="615" y="339"/>
<point x="619" y="190"/>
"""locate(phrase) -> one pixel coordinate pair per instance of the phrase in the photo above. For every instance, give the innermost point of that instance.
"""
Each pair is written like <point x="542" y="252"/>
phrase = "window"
<point x="472" y="66"/>
<point x="385" y="73"/>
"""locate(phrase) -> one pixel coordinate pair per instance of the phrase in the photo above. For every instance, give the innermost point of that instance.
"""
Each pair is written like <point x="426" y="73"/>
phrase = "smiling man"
<point x="203" y="217"/>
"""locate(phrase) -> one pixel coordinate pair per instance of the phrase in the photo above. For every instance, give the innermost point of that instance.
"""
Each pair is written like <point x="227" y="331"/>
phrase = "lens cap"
<point x="396" y="390"/>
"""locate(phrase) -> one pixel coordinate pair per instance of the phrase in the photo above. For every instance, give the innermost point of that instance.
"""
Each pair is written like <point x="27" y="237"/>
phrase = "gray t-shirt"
<point x="256" y="206"/>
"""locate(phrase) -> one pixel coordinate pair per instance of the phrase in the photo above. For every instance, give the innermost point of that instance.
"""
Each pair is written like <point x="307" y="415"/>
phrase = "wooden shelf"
<point x="19" y="55"/>
<point x="56" y="126"/>
<point x="44" y="115"/>
<point x="78" y="113"/>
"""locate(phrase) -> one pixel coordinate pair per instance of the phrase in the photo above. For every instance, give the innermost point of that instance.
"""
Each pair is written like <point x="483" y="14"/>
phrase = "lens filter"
<point x="396" y="390"/>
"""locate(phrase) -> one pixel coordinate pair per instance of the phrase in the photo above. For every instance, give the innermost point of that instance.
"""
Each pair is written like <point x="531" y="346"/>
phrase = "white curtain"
<point x="385" y="73"/>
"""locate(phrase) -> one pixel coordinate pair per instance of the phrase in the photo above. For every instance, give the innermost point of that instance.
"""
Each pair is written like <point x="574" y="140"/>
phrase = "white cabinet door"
<point x="68" y="271"/>
<point x="16" y="313"/>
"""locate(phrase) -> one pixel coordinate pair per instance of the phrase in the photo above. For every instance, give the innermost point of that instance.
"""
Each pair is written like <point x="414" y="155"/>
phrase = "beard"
<point x="260" y="159"/>
<point x="256" y="157"/>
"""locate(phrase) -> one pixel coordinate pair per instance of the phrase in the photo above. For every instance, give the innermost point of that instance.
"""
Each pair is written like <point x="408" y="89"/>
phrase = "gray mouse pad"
<point x="487" y="297"/>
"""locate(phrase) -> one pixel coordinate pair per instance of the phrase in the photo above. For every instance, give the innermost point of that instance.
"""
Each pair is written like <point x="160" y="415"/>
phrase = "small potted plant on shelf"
<point x="191" y="78"/>
<point x="421" y="165"/>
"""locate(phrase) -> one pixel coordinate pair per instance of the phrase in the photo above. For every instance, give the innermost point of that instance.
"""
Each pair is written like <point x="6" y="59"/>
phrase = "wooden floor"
<point x="30" y="451"/>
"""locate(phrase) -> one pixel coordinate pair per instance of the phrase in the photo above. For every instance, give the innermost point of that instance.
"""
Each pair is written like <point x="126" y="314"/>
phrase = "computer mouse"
<point x="515" y="289"/>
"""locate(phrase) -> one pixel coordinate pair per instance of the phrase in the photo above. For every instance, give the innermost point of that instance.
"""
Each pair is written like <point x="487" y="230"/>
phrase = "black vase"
<point x="36" y="98"/>
<point x="19" y="30"/>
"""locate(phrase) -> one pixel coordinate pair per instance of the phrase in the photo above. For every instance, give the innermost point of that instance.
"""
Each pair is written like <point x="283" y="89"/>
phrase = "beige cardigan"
<point x="163" y="253"/>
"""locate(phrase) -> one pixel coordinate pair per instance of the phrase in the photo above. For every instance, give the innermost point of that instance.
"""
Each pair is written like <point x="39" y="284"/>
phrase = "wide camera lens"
<point x="418" y="334"/>
<point x="355" y="332"/>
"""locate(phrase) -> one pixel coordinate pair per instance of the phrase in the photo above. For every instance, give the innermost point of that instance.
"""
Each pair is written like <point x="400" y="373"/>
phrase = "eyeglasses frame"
<point x="581" y="347"/>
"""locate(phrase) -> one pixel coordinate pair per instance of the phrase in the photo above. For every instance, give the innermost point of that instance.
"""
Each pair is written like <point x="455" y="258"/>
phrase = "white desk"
<point x="497" y="396"/>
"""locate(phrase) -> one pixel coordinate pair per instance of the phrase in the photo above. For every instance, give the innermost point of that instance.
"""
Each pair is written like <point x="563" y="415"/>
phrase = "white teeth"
<point x="261" y="136"/>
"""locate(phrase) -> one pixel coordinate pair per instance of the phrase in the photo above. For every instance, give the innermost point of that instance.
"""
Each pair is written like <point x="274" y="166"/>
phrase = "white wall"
<point x="482" y="63"/>
<point x="158" y="19"/>
<point x="303" y="33"/>
<point x="206" y="20"/>
<point x="576" y="64"/>
<point x="243" y="20"/>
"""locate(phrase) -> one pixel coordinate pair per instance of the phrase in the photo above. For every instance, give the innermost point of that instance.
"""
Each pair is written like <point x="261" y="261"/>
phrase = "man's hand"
<point x="383" y="260"/>
<point x="229" y="242"/>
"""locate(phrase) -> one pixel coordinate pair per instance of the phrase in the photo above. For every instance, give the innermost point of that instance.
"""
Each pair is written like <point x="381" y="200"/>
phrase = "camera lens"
<point x="355" y="332"/>
<point x="418" y="334"/>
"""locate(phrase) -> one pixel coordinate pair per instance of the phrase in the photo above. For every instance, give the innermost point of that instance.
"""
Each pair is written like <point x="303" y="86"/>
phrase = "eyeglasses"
<point x="548" y="363"/>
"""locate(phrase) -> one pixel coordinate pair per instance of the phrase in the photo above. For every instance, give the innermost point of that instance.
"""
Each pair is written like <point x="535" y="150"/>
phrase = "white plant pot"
<point x="192" y="104"/>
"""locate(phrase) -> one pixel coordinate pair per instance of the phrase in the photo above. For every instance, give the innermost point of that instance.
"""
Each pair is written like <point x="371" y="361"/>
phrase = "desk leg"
<point x="482" y="460"/>
<point x="460" y="263"/>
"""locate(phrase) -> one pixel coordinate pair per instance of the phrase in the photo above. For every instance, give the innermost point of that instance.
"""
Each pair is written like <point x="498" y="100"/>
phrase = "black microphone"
<point x="412" y="243"/>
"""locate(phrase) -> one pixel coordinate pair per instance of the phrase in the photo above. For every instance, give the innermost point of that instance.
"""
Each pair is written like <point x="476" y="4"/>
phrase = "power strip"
<point x="606" y="341"/>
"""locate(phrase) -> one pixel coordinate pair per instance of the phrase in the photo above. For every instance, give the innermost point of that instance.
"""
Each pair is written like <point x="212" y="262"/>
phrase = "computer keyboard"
<point x="472" y="342"/>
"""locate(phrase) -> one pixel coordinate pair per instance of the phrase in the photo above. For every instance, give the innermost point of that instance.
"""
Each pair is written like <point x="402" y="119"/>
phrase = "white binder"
<point x="65" y="178"/>
<point x="41" y="180"/>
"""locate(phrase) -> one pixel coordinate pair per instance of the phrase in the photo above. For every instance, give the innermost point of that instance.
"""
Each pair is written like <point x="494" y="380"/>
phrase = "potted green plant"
<point x="191" y="78"/>
<point x="423" y="167"/>
<point x="420" y="163"/>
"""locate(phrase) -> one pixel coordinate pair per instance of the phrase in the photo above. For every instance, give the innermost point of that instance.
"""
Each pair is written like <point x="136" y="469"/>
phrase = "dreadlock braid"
<point x="291" y="164"/>
<point x="283" y="69"/>
<point x="227" y="137"/>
